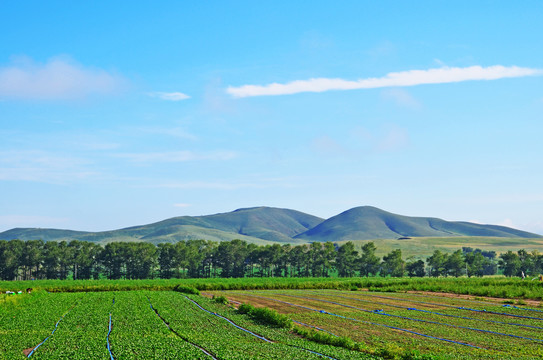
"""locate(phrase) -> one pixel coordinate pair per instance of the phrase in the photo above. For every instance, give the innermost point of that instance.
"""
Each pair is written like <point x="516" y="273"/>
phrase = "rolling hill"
<point x="367" y="223"/>
<point x="259" y="225"/>
<point x="266" y="225"/>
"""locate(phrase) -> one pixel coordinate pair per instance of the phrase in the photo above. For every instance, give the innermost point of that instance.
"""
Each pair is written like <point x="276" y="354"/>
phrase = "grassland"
<point x="422" y="247"/>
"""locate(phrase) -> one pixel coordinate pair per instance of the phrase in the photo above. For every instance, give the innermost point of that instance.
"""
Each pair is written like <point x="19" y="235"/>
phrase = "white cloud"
<point x="255" y="183"/>
<point x="182" y="205"/>
<point x="42" y="166"/>
<point x="327" y="146"/>
<point x="395" y="138"/>
<point x="176" y="132"/>
<point x="172" y="96"/>
<point x="212" y="185"/>
<point x="402" y="98"/>
<point x="178" y="156"/>
<point x="507" y="223"/>
<point x="59" y="78"/>
<point x="396" y="79"/>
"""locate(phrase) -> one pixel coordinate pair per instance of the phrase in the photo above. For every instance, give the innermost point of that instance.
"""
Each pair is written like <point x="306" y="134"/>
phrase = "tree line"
<point x="36" y="259"/>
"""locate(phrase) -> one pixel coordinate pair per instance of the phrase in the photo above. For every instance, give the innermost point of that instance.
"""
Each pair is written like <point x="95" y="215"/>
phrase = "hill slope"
<point x="367" y="222"/>
<point x="257" y="225"/>
<point x="265" y="225"/>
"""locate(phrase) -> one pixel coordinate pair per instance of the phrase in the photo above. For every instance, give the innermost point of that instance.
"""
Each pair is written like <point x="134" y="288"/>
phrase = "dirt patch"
<point x="28" y="351"/>
<point x="499" y="301"/>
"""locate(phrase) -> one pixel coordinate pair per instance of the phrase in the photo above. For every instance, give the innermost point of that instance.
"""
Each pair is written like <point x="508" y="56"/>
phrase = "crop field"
<point x="144" y="325"/>
<point x="322" y="324"/>
<point x="396" y="323"/>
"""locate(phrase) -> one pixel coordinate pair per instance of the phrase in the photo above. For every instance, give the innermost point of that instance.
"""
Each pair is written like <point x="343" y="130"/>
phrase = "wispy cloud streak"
<point x="169" y="96"/>
<point x="59" y="78"/>
<point x="178" y="156"/>
<point x="396" y="79"/>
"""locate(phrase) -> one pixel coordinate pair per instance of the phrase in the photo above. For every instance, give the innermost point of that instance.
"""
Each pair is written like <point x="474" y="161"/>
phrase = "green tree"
<point x="393" y="264"/>
<point x="32" y="257"/>
<point x="510" y="263"/>
<point x="346" y="259"/>
<point x="369" y="262"/>
<point x="436" y="262"/>
<point x="415" y="268"/>
<point x="455" y="264"/>
<point x="11" y="255"/>
<point x="167" y="260"/>
<point x="51" y="260"/>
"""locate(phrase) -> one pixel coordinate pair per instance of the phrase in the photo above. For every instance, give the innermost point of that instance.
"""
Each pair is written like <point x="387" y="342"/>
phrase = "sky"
<point x="121" y="113"/>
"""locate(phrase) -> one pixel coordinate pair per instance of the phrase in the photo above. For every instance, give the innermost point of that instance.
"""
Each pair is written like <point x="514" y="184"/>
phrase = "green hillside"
<point x="422" y="247"/>
<point x="259" y="225"/>
<point x="367" y="222"/>
<point x="266" y="225"/>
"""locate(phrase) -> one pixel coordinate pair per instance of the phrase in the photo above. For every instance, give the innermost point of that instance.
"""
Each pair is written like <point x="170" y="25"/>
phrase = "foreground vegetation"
<point x="407" y="325"/>
<point x="145" y="325"/>
<point x="269" y="324"/>
<point x="499" y="286"/>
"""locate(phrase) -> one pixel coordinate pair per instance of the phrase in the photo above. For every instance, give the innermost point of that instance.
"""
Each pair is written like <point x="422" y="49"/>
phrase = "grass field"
<point x="422" y="247"/>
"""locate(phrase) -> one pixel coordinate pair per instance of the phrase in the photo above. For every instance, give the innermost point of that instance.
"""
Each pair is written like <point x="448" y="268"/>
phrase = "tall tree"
<point x="415" y="268"/>
<point x="369" y="262"/>
<point x="393" y="264"/>
<point x="455" y="264"/>
<point x="436" y="262"/>
<point x="346" y="260"/>
<point x="32" y="257"/>
<point x="510" y="263"/>
<point x="51" y="260"/>
<point x="11" y="258"/>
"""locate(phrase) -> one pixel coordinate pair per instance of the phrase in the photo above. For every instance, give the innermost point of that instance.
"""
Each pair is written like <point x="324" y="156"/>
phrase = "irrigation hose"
<point x="368" y="322"/>
<point x="382" y="312"/>
<point x="252" y="333"/>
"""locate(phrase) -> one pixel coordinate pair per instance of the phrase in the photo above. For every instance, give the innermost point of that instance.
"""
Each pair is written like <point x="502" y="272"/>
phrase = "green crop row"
<point x="488" y="286"/>
<point x="82" y="333"/>
<point x="285" y="340"/>
<point x="365" y="328"/>
<point x="138" y="333"/>
<point x="28" y="319"/>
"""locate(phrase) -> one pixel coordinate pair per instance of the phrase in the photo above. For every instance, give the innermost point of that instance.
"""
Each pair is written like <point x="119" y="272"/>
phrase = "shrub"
<point x="186" y="289"/>
<point x="266" y="316"/>
<point x="220" y="299"/>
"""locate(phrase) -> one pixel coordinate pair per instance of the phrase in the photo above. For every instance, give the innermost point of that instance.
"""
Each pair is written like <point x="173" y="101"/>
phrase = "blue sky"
<point x="121" y="113"/>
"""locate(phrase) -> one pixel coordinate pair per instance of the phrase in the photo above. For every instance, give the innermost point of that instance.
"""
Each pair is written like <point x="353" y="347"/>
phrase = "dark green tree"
<point x="415" y="268"/>
<point x="510" y="264"/>
<point x="393" y="264"/>
<point x="369" y="263"/>
<point x="437" y="262"/>
<point x="346" y="260"/>
<point x="455" y="264"/>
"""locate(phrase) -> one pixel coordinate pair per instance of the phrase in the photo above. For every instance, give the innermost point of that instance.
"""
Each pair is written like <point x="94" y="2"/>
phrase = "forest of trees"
<point x="36" y="259"/>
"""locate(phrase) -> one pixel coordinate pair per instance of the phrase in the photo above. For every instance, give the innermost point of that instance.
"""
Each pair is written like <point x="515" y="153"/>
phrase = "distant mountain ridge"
<point x="367" y="223"/>
<point x="266" y="225"/>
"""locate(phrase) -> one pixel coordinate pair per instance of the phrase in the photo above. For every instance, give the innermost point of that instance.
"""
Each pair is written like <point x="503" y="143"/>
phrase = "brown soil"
<point x="533" y="303"/>
<point x="28" y="351"/>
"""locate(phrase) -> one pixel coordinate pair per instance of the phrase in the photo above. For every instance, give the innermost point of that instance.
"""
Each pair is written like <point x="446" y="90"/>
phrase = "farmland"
<point x="325" y="319"/>
<point x="392" y="323"/>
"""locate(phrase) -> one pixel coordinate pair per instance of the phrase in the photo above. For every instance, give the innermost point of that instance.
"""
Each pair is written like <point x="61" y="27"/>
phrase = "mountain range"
<point x="263" y="225"/>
